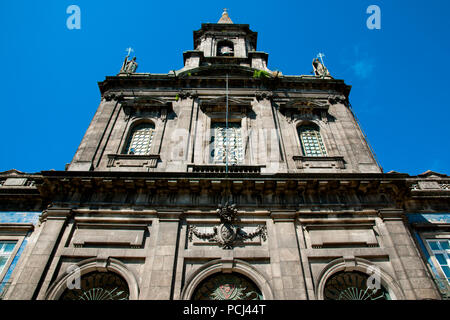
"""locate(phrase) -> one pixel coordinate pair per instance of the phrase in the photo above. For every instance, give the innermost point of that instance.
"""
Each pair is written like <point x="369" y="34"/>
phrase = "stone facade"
<point x="168" y="219"/>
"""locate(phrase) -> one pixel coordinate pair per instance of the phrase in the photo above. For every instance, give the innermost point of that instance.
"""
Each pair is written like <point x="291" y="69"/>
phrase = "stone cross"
<point x="129" y="50"/>
<point x="321" y="55"/>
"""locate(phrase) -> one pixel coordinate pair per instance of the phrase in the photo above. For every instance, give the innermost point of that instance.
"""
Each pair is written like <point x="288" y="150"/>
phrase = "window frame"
<point x="433" y="257"/>
<point x="212" y="142"/>
<point x="131" y="136"/>
<point x="18" y="240"/>
<point x="130" y="131"/>
<point x="317" y="128"/>
<point x="429" y="256"/>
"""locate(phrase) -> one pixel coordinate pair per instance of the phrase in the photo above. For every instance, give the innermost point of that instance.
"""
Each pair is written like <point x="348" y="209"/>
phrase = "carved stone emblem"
<point x="227" y="234"/>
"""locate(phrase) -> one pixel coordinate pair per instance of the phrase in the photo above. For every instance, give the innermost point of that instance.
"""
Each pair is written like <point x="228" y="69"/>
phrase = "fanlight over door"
<point x="99" y="286"/>
<point x="227" y="287"/>
<point x="353" y="286"/>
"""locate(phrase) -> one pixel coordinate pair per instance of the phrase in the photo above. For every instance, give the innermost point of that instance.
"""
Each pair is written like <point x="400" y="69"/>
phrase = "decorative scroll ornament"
<point x="227" y="234"/>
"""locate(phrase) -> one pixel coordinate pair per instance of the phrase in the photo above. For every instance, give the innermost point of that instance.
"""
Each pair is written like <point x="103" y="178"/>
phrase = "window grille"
<point x="141" y="139"/>
<point x="311" y="141"/>
<point x="6" y="249"/>
<point x="220" y="145"/>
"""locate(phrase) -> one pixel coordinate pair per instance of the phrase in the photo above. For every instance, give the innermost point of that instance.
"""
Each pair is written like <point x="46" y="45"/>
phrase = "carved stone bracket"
<point x="261" y="95"/>
<point x="227" y="234"/>
<point x="113" y="96"/>
<point x="335" y="99"/>
<point x="184" y="94"/>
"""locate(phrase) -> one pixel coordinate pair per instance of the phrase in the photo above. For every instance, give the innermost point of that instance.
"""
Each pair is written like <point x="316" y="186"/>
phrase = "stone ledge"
<point x="132" y="160"/>
<point x="304" y="162"/>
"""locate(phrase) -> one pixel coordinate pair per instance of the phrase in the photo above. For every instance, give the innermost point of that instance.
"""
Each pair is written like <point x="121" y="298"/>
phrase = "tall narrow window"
<point x="6" y="249"/>
<point x="223" y="142"/>
<point x="140" y="139"/>
<point x="311" y="141"/>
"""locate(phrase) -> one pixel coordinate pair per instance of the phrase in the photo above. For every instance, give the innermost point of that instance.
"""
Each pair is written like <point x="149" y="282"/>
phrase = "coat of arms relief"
<point x="228" y="234"/>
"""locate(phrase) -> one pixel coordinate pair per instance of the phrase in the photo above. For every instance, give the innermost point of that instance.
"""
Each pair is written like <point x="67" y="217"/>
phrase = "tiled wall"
<point x="17" y="217"/>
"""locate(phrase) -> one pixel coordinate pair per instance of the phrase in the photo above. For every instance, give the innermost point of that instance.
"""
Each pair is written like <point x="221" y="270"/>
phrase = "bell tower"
<point x="225" y="43"/>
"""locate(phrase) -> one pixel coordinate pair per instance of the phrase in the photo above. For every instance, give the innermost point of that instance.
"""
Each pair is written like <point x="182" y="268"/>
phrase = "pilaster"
<point x="29" y="280"/>
<point x="288" y="257"/>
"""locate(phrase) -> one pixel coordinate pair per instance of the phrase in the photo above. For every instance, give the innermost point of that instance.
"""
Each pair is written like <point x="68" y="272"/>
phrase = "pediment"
<point x="219" y="105"/>
<point x="302" y="103"/>
<point x="147" y="101"/>
<point x="222" y="100"/>
<point x="12" y="172"/>
<point x="432" y="174"/>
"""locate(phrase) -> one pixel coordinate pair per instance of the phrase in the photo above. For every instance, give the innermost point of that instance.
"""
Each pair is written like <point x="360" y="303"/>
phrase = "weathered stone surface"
<point x="115" y="211"/>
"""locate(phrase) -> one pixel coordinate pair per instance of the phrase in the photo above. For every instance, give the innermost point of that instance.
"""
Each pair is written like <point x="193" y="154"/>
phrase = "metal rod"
<point x="226" y="127"/>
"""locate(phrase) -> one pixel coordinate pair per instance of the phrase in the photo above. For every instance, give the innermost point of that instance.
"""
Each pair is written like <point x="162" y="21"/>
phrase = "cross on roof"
<point x="320" y="56"/>
<point x="129" y="50"/>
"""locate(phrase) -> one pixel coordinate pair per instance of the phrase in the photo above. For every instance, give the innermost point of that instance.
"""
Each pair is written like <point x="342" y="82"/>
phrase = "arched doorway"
<point x="99" y="286"/>
<point x="353" y="285"/>
<point x="229" y="286"/>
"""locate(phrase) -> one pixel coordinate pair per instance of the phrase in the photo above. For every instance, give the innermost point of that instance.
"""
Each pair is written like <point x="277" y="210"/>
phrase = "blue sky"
<point x="399" y="74"/>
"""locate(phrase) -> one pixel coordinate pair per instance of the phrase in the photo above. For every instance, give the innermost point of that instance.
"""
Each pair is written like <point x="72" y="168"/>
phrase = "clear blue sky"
<point x="399" y="74"/>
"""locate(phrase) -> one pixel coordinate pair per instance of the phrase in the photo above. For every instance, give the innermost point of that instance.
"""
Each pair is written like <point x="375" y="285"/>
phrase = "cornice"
<point x="194" y="82"/>
<point x="229" y="176"/>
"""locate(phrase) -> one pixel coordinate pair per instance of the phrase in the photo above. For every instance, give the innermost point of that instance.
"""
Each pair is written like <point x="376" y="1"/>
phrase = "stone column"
<point x="405" y="258"/>
<point x="288" y="256"/>
<point x="165" y="257"/>
<point x="34" y="266"/>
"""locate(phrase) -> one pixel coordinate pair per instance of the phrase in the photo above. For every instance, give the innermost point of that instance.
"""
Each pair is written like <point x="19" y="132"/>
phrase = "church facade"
<point x="224" y="180"/>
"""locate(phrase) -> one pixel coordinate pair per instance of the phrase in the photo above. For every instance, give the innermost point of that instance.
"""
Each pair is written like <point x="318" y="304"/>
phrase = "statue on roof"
<point x="319" y="67"/>
<point x="129" y="66"/>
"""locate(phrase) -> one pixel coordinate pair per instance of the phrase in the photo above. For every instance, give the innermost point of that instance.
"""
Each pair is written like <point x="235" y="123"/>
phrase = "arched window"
<point x="311" y="141"/>
<point x="225" y="48"/>
<point x="99" y="286"/>
<point x="225" y="142"/>
<point x="354" y="286"/>
<point x="232" y="286"/>
<point x="140" y="139"/>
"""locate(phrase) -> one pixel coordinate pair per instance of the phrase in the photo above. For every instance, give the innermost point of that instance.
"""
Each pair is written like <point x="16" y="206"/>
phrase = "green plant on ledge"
<point x="261" y="74"/>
